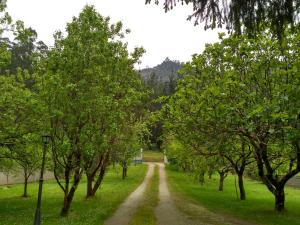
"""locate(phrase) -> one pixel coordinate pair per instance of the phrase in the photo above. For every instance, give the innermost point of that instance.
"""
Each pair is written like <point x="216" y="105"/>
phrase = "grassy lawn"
<point x="153" y="156"/>
<point x="258" y="207"/>
<point x="145" y="213"/>
<point x="15" y="210"/>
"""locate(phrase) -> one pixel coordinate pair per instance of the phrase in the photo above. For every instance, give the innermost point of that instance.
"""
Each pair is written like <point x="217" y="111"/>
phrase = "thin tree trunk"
<point x="210" y="172"/>
<point x="221" y="181"/>
<point x="241" y="187"/>
<point x="124" y="171"/>
<point x="25" y="186"/>
<point x="201" y="177"/>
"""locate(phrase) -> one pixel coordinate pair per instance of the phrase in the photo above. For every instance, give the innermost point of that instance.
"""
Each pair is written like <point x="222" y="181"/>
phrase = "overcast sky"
<point x="161" y="34"/>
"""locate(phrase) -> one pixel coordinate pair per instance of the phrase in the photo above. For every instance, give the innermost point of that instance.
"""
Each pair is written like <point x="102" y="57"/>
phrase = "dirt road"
<point x="127" y="209"/>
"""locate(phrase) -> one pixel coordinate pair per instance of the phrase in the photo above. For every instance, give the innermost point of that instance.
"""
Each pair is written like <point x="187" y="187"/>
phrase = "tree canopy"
<point x="247" y="88"/>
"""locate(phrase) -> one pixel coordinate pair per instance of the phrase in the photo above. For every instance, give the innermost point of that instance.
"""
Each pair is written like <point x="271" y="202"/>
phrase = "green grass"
<point x="145" y="213"/>
<point x="258" y="207"/>
<point x="153" y="156"/>
<point x="15" y="210"/>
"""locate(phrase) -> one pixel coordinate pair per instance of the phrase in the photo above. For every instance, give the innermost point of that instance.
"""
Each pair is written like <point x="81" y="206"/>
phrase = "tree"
<point x="19" y="124"/>
<point x="5" y="21"/>
<point x="239" y="154"/>
<point x="7" y="166"/>
<point x="26" y="156"/>
<point x="222" y="167"/>
<point x="243" y="87"/>
<point x="19" y="108"/>
<point x="250" y="16"/>
<point x="86" y="82"/>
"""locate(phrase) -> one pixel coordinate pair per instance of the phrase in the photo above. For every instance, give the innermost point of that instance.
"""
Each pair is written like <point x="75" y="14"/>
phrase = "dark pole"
<point x="37" y="217"/>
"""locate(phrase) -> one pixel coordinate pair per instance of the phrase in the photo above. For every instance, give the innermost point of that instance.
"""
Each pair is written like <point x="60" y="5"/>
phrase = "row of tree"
<point x="84" y="92"/>
<point x="238" y="104"/>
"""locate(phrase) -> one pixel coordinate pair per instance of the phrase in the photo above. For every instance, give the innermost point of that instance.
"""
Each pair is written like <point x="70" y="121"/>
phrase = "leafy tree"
<point x="223" y="167"/>
<point x="236" y="15"/>
<point x="7" y="166"/>
<point x="19" y="121"/>
<point x="86" y="82"/>
<point x="5" y="21"/>
<point x="26" y="156"/>
<point x="238" y="153"/>
<point x="22" y="48"/>
<point x="244" y="88"/>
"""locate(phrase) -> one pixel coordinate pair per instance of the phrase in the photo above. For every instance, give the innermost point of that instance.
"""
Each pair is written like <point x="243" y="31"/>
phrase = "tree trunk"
<point x="201" y="177"/>
<point x="89" y="188"/>
<point x="279" y="200"/>
<point x="221" y="182"/>
<point x="124" y="172"/>
<point x="67" y="202"/>
<point x="91" y="191"/>
<point x="70" y="194"/>
<point x="99" y="180"/>
<point x="25" y="186"/>
<point x="210" y="172"/>
<point x="241" y="187"/>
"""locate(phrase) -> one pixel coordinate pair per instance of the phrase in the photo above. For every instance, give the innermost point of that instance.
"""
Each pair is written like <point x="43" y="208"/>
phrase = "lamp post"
<point x="37" y="217"/>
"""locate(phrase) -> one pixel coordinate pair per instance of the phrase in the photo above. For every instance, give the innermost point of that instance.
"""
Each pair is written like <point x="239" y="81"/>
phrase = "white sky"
<point x="161" y="34"/>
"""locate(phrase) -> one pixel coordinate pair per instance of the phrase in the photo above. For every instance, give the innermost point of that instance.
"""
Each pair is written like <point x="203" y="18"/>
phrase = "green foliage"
<point x="93" y="98"/>
<point x="242" y="88"/>
<point x="161" y="82"/>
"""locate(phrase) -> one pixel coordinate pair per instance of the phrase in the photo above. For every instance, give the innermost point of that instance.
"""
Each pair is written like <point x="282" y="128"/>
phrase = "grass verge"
<point x="145" y="214"/>
<point x="15" y="210"/>
<point x="258" y="207"/>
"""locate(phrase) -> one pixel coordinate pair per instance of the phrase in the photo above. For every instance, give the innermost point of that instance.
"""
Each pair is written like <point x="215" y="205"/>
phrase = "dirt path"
<point x="171" y="210"/>
<point x="166" y="211"/>
<point x="127" y="209"/>
<point x="178" y="211"/>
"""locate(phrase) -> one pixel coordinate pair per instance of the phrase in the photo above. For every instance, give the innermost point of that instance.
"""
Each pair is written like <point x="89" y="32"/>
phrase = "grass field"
<point x="258" y="207"/>
<point x="15" y="210"/>
<point x="153" y="156"/>
<point x="145" y="213"/>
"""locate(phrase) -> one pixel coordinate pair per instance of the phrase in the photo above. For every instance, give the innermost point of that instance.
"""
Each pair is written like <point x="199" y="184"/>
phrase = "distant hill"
<point x="163" y="72"/>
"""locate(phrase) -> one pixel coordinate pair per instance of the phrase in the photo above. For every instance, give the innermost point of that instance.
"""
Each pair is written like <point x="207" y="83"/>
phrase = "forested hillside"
<point x="168" y="68"/>
<point x="160" y="81"/>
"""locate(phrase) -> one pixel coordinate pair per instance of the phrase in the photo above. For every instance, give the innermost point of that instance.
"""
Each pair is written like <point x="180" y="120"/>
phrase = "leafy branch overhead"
<point x="238" y="16"/>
